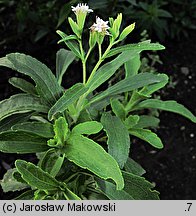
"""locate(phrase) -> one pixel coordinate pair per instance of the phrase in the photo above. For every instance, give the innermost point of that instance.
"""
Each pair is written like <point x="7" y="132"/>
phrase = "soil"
<point x="173" y="169"/>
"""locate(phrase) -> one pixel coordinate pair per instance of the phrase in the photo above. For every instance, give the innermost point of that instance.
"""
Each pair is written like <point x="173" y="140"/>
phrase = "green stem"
<point x="83" y="61"/>
<point x="101" y="59"/>
<point x="81" y="100"/>
<point x="100" y="51"/>
<point x="84" y="72"/>
<point x="88" y="53"/>
<point x="135" y="98"/>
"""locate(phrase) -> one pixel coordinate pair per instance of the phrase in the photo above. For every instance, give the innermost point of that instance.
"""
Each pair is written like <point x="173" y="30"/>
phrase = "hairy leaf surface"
<point x="89" y="155"/>
<point x="128" y="84"/>
<point x="8" y="122"/>
<point x="109" y="189"/>
<point x="63" y="59"/>
<point x="89" y="127"/>
<point x="148" y="136"/>
<point x="38" y="128"/>
<point x="23" y="85"/>
<point x="145" y="45"/>
<point x="139" y="188"/>
<point x="133" y="167"/>
<point x="51" y="162"/>
<point x="70" y="96"/>
<point x="107" y="70"/>
<point x="46" y="83"/>
<point x="118" y="138"/>
<point x="21" y="142"/>
<point x="21" y="103"/>
<point x="171" y="106"/>
<point x="35" y="176"/>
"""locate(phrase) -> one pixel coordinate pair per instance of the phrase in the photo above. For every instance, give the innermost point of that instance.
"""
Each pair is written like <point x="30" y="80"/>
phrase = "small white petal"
<point x="81" y="7"/>
<point x="100" y="26"/>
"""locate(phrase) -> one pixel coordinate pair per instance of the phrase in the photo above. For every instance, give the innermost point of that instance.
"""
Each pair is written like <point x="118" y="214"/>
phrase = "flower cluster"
<point x="81" y="8"/>
<point x="100" y="26"/>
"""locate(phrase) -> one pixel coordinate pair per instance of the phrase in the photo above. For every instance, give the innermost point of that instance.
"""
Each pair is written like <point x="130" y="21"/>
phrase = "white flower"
<point x="81" y="7"/>
<point x="100" y="26"/>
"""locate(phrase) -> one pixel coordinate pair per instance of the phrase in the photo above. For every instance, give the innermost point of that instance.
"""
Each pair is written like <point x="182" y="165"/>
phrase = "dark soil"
<point x="173" y="169"/>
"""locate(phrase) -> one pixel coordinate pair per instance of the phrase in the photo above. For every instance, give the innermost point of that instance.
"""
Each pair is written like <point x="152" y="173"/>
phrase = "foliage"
<point x="163" y="18"/>
<point x="82" y="136"/>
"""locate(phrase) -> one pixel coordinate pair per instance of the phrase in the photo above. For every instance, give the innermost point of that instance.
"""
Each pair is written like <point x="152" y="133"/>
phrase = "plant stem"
<point x="84" y="71"/>
<point x="100" y="51"/>
<point x="88" y="53"/>
<point x="81" y="100"/>
<point x="135" y="98"/>
<point x="83" y="61"/>
<point x="101" y="59"/>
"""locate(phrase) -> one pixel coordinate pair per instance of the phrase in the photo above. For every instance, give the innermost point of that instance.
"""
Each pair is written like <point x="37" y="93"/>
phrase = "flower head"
<point x="100" y="26"/>
<point x="81" y="8"/>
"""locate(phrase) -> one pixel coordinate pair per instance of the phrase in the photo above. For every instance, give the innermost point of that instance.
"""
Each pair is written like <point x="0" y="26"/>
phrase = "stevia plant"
<point x="82" y="136"/>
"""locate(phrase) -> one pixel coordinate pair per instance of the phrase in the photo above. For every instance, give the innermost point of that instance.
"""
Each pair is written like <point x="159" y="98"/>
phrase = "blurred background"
<point x="30" y="27"/>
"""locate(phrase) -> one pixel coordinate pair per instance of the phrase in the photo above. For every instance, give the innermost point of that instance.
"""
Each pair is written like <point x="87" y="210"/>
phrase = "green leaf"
<point x="61" y="130"/>
<point x="107" y="70"/>
<point x="136" y="48"/>
<point x="38" y="128"/>
<point x="131" y="121"/>
<point x="36" y="177"/>
<point x="46" y="83"/>
<point x="9" y="183"/>
<point x="128" y="84"/>
<point x="21" y="103"/>
<point x="92" y="39"/>
<point x="139" y="188"/>
<point x="118" y="108"/>
<point x="21" y="142"/>
<point x="74" y="26"/>
<point x="148" y="90"/>
<point x="126" y="31"/>
<point x="118" y="138"/>
<point x="23" y="85"/>
<point x="146" y="121"/>
<point x="133" y="167"/>
<point x="40" y="195"/>
<point x="109" y="190"/>
<point x="69" y="97"/>
<point x="89" y="127"/>
<point x="132" y="66"/>
<point x="148" y="136"/>
<point x="116" y="26"/>
<point x="8" y="122"/>
<point x="51" y="162"/>
<point x="84" y="116"/>
<point x="87" y="154"/>
<point x="70" y="37"/>
<point x="63" y="59"/>
<point x="170" y="105"/>
<point x="73" y="46"/>
<point x="27" y="195"/>
<point x="69" y="195"/>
